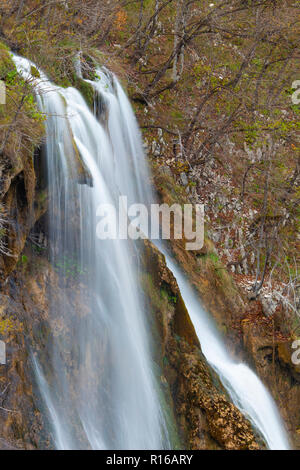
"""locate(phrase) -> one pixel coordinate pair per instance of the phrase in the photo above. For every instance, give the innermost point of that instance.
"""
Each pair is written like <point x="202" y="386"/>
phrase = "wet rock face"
<point x="24" y="201"/>
<point x="22" y="189"/>
<point x="212" y="416"/>
<point x="28" y="326"/>
<point x="204" y="414"/>
<point x="23" y="316"/>
<point x="23" y="302"/>
<point x="29" y="297"/>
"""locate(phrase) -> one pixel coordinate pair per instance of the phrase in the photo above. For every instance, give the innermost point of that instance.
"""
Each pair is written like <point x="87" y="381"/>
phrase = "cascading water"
<point x="244" y="387"/>
<point x="246" y="390"/>
<point x="103" y="394"/>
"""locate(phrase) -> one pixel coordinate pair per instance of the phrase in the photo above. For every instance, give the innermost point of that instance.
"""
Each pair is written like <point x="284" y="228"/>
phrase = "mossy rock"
<point x="6" y="63"/>
<point x="86" y="89"/>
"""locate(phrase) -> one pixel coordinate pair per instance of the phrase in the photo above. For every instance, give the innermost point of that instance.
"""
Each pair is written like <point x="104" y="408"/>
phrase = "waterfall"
<point x="244" y="387"/>
<point x="103" y="392"/>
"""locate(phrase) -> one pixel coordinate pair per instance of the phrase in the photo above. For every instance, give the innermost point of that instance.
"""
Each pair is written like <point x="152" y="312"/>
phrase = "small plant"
<point x="6" y="326"/>
<point x="24" y="259"/>
<point x="69" y="268"/>
<point x="171" y="298"/>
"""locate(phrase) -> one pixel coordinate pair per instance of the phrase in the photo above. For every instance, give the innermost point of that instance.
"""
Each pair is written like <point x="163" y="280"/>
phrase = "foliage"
<point x="206" y="74"/>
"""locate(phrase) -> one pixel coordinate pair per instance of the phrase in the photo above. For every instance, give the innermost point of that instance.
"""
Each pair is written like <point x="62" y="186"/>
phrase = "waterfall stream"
<point x="104" y="393"/>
